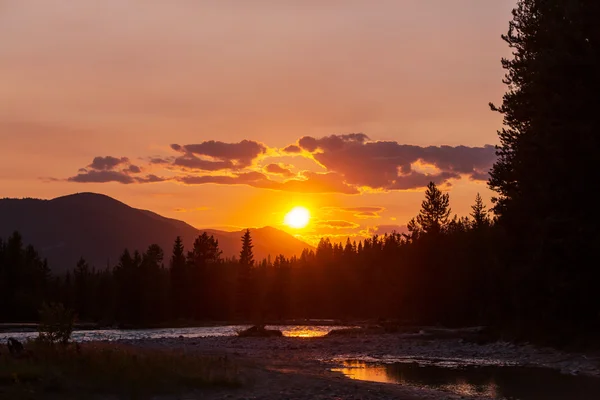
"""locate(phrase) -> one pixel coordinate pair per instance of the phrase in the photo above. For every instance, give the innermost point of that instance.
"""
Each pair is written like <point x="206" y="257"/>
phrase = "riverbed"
<point x="307" y="364"/>
<point x="416" y="367"/>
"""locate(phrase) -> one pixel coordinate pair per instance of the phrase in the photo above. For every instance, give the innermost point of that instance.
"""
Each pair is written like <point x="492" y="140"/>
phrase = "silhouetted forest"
<point x="430" y="275"/>
<point x="532" y="269"/>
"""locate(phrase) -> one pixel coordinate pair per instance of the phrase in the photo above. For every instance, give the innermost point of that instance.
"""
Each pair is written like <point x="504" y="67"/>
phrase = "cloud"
<point x="312" y="183"/>
<point x="352" y="162"/>
<point x="102" y="177"/>
<point x="151" y="179"/>
<point x="160" y="160"/>
<point x="292" y="148"/>
<point x="245" y="178"/>
<point x="102" y="170"/>
<point x="193" y="162"/>
<point x="107" y="163"/>
<point x="279" y="170"/>
<point x="360" y="212"/>
<point x="113" y="176"/>
<point x="134" y="169"/>
<point x="337" y="224"/>
<point x="223" y="155"/>
<point x="388" y="165"/>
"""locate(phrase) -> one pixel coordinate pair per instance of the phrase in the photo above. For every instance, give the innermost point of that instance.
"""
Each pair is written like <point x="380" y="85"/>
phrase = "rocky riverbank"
<point x="300" y="368"/>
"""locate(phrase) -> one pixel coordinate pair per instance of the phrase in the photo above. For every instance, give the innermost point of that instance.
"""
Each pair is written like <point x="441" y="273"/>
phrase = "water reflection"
<point x="302" y="331"/>
<point x="493" y="382"/>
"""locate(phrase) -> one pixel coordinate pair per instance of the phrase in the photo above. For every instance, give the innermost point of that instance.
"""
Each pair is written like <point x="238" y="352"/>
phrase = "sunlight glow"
<point x="297" y="218"/>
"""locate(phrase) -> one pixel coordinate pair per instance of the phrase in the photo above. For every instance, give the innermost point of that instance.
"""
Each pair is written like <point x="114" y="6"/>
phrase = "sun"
<point x="297" y="218"/>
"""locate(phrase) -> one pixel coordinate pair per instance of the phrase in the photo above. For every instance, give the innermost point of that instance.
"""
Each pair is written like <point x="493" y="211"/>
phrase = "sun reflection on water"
<point x="306" y="331"/>
<point x="494" y="382"/>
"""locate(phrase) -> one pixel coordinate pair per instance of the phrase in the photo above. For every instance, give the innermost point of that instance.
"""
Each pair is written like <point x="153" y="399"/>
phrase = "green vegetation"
<point x="75" y="371"/>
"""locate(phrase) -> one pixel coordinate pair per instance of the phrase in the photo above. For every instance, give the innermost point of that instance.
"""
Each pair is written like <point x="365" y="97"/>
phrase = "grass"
<point x="73" y="372"/>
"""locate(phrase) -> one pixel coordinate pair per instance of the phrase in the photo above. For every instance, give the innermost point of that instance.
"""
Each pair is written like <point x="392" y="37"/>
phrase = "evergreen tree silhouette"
<point x="434" y="214"/>
<point x="546" y="163"/>
<point x="479" y="213"/>
<point x="204" y="254"/>
<point x="178" y="278"/>
<point x="246" y="255"/>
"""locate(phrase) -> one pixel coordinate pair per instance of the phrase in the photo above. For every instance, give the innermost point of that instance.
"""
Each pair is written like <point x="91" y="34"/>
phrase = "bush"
<point x="56" y="323"/>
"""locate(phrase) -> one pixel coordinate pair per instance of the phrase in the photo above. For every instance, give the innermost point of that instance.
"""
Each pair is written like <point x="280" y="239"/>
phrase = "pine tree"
<point x="434" y="214"/>
<point x="550" y="139"/>
<point x="177" y="271"/>
<point x="546" y="162"/>
<point x="479" y="214"/>
<point x="81" y="275"/>
<point x="245" y="303"/>
<point x="204" y="252"/>
<point x="178" y="256"/>
<point x="246" y="255"/>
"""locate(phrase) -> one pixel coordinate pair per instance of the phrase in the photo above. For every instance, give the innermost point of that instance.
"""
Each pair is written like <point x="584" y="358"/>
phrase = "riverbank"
<point x="303" y="367"/>
<point x="300" y="368"/>
<point x="6" y="327"/>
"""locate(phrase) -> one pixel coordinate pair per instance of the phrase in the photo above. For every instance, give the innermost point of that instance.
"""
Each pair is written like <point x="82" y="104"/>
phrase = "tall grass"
<point x="72" y="371"/>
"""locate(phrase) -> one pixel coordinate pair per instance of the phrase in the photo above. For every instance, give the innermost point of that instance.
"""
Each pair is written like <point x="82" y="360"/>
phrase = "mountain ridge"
<point x="98" y="228"/>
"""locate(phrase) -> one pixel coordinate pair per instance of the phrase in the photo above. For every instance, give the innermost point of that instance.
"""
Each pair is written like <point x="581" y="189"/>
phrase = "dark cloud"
<point x="160" y="160"/>
<point x="246" y="178"/>
<point x="192" y="162"/>
<point x="337" y="224"/>
<point x="101" y="170"/>
<point x="388" y="165"/>
<point x="102" y="177"/>
<point x="417" y="179"/>
<point x="292" y="148"/>
<point x="134" y="169"/>
<point x="312" y="183"/>
<point x="480" y="176"/>
<point x="279" y="170"/>
<point x="151" y="179"/>
<point x="353" y="164"/>
<point x="113" y="176"/>
<point x="237" y="155"/>
<point x="107" y="163"/>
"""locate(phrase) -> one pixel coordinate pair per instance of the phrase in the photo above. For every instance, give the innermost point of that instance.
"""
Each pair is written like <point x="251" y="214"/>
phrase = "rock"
<point x="260" y="331"/>
<point x="15" y="347"/>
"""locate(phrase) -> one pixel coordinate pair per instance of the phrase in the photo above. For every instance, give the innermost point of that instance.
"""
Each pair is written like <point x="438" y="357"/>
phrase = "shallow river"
<point x="494" y="382"/>
<point x="228" y="330"/>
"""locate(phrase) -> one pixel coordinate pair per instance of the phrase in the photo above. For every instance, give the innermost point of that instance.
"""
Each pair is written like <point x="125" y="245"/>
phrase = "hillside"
<point x="99" y="228"/>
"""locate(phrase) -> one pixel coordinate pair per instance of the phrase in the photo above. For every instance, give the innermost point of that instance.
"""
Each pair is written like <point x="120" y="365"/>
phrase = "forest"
<point x="430" y="275"/>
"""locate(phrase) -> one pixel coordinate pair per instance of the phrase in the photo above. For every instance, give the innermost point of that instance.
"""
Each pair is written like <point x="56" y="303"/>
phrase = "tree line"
<point x="430" y="275"/>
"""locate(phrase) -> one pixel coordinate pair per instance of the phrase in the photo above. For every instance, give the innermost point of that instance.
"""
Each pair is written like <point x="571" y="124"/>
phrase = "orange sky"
<point x="129" y="78"/>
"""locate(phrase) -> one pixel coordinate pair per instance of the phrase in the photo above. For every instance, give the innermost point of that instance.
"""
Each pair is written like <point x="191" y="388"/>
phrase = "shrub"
<point x="56" y="323"/>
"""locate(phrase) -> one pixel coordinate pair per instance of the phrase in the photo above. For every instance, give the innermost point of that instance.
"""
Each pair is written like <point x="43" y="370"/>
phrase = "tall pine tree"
<point x="546" y="162"/>
<point x="434" y="214"/>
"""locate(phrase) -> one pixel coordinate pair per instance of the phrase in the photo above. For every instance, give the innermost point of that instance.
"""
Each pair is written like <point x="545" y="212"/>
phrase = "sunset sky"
<point x="228" y="113"/>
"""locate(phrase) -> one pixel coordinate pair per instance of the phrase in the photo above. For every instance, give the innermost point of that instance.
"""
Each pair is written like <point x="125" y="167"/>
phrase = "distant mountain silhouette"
<point x="99" y="228"/>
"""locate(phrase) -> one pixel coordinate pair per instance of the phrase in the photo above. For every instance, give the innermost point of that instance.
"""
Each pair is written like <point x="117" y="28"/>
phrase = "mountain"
<point x="99" y="228"/>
